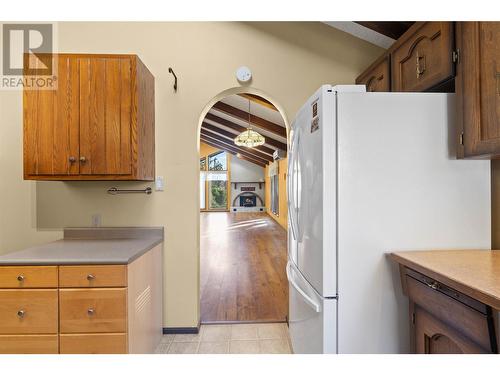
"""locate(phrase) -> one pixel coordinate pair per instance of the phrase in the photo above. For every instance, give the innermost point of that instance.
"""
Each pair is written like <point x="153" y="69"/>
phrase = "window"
<point x="217" y="162"/>
<point x="274" y="188"/>
<point x="214" y="182"/>
<point x="275" y="195"/>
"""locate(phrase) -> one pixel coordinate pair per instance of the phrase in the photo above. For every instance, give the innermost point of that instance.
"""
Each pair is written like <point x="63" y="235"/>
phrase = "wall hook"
<point x="170" y="70"/>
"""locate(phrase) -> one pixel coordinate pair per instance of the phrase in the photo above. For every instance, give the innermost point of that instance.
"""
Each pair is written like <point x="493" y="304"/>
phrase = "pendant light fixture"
<point x="249" y="138"/>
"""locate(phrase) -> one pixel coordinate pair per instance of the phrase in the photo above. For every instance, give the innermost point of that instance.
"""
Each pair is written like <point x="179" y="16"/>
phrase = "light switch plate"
<point x="159" y="183"/>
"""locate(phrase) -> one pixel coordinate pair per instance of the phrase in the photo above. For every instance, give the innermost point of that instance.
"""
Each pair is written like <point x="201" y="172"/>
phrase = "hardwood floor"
<point x="243" y="259"/>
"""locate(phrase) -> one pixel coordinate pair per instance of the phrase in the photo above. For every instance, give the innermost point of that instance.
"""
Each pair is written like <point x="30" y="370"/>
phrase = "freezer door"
<point x="313" y="322"/>
<point x="313" y="212"/>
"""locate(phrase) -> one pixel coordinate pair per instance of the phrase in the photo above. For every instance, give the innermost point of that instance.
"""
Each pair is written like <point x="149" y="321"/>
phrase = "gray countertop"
<point x="90" y="246"/>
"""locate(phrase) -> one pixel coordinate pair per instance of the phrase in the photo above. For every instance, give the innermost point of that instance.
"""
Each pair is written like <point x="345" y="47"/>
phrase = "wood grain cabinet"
<point x="478" y="89"/>
<point x="423" y="57"/>
<point x="82" y="309"/>
<point x="377" y="77"/>
<point x="445" y="321"/>
<point x="98" y="124"/>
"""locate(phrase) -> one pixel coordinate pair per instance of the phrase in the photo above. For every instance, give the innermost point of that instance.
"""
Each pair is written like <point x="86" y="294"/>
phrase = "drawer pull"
<point x="90" y="277"/>
<point x="420" y="65"/>
<point x="90" y="311"/>
<point x="433" y="285"/>
<point x="20" y="278"/>
<point x="21" y="313"/>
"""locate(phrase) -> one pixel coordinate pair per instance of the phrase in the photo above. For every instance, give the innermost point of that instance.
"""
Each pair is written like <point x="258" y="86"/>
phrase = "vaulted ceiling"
<point x="380" y="33"/>
<point x="231" y="116"/>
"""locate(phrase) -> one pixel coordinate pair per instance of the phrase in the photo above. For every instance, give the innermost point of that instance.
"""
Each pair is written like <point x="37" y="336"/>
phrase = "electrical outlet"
<point x="96" y="220"/>
<point x="159" y="183"/>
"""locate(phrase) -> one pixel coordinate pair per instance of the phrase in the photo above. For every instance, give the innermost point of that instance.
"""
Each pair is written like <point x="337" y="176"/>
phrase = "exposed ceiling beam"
<point x="259" y="100"/>
<point x="388" y="28"/>
<point x="231" y="125"/>
<point x="254" y="120"/>
<point x="250" y="152"/>
<point x="212" y="143"/>
<point x="231" y="144"/>
<point x="232" y="136"/>
<point x="234" y="149"/>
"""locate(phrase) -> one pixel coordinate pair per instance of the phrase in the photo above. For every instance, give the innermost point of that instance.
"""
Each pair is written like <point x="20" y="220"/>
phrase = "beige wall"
<point x="206" y="150"/>
<point x="289" y="62"/>
<point x="282" y="216"/>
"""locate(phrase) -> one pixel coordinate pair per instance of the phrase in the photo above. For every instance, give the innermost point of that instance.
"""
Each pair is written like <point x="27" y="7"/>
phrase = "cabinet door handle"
<point x="72" y="159"/>
<point x="420" y="68"/>
<point x="90" y="311"/>
<point x="83" y="159"/>
<point x="20" y="278"/>
<point x="21" y="313"/>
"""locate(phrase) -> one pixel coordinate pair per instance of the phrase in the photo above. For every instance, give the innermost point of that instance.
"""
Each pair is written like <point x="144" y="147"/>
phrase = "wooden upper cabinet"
<point x="377" y="76"/>
<point x="97" y="125"/>
<point x="478" y="89"/>
<point x="51" y="117"/>
<point x="423" y="57"/>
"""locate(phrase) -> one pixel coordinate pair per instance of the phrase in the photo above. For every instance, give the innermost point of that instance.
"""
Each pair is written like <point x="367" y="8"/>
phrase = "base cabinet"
<point x="101" y="309"/>
<point x="445" y="321"/>
<point x="98" y="343"/>
<point x="432" y="336"/>
<point x="29" y="344"/>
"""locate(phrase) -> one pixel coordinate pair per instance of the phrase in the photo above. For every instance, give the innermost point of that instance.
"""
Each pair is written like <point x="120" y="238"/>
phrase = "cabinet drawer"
<point x="377" y="77"/>
<point x="92" y="276"/>
<point x="461" y="317"/>
<point x="424" y="59"/>
<point x="29" y="344"/>
<point x="92" y="310"/>
<point x="103" y="343"/>
<point x="28" y="277"/>
<point x="28" y="311"/>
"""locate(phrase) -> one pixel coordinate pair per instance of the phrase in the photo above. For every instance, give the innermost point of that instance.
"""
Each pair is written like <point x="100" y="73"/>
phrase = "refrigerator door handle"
<point x="307" y="299"/>
<point x="291" y="188"/>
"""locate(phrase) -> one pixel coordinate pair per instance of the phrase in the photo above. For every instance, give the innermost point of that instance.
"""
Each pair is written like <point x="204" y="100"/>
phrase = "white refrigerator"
<point x="371" y="173"/>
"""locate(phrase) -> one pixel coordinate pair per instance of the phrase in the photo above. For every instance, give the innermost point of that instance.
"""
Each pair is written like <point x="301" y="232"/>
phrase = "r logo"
<point x="27" y="49"/>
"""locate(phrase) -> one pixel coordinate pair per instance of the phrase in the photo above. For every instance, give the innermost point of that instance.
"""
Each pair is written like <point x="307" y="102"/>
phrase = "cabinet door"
<point x="432" y="336"/>
<point x="376" y="78"/>
<point x="424" y="59"/>
<point x="478" y="89"/>
<point x="51" y="134"/>
<point x="105" y="116"/>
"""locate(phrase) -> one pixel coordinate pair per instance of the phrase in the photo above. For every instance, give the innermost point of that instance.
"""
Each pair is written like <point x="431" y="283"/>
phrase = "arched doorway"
<point x="243" y="210"/>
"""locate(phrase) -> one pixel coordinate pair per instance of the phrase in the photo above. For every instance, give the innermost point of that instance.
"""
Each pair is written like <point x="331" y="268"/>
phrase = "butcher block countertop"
<point x="472" y="272"/>
<point x="89" y="246"/>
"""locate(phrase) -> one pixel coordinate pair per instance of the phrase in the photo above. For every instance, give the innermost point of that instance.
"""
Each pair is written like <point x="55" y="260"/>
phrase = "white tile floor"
<point x="265" y="338"/>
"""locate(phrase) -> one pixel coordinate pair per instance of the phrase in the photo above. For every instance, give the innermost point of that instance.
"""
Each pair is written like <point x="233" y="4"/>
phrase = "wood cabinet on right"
<point x="478" y="89"/>
<point x="377" y="77"/>
<point x="423" y="59"/>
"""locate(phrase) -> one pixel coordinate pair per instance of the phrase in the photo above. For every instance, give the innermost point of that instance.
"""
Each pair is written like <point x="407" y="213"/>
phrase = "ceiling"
<point x="230" y="116"/>
<point x="380" y="33"/>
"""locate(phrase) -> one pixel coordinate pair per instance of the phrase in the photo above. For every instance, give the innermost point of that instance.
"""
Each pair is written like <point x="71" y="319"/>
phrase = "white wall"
<point x="244" y="171"/>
